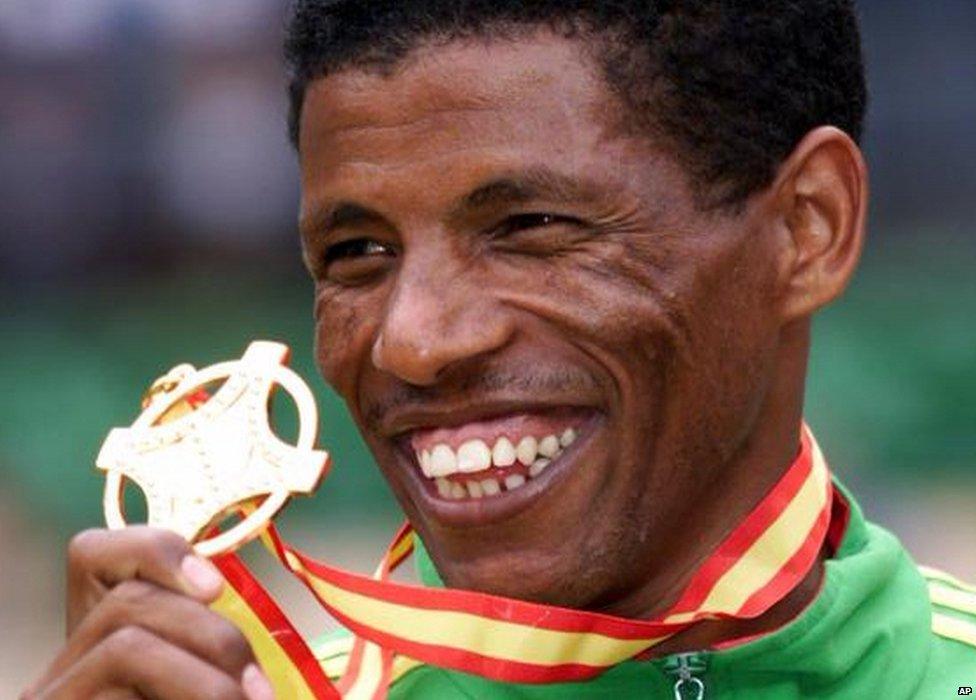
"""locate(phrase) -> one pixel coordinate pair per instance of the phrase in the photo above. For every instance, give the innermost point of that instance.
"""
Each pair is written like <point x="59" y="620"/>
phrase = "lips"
<point x="488" y="460"/>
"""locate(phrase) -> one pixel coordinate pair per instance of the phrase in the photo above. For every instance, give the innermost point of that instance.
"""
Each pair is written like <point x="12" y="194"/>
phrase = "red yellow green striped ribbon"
<point x="509" y="640"/>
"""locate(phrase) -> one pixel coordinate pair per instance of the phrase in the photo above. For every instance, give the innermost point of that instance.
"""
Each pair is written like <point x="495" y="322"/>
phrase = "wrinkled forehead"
<point x="412" y="143"/>
<point x="467" y="89"/>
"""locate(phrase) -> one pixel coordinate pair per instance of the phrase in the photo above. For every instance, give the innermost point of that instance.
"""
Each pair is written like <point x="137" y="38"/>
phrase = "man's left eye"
<point x="523" y="222"/>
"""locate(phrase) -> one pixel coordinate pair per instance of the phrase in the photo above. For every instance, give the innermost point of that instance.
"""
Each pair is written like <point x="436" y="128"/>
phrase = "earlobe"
<point x="822" y="193"/>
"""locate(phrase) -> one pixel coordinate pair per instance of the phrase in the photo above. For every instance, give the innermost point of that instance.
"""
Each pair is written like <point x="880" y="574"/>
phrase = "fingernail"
<point x="202" y="575"/>
<point x="256" y="685"/>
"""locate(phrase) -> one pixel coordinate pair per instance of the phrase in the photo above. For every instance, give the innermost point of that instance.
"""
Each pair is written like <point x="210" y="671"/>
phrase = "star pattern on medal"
<point x="197" y="467"/>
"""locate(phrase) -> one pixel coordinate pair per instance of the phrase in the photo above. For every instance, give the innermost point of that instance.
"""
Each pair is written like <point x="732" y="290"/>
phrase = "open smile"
<point x="491" y="469"/>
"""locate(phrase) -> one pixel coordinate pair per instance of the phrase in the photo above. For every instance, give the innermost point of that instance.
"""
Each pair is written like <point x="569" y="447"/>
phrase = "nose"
<point x="437" y="317"/>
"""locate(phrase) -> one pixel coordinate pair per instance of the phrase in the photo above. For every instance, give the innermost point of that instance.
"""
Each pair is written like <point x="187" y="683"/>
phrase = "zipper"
<point x="687" y="670"/>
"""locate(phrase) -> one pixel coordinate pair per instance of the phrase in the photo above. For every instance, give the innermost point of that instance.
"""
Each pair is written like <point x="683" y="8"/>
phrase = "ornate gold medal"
<point x="199" y="458"/>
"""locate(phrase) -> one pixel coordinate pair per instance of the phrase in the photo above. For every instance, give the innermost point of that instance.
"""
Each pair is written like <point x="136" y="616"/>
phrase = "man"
<point x="566" y="258"/>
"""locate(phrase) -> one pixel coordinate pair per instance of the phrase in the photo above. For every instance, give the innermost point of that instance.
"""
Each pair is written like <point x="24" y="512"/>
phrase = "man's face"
<point x="549" y="349"/>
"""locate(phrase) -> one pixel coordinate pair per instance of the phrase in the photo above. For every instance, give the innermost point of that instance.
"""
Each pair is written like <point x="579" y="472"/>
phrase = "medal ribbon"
<point x="510" y="640"/>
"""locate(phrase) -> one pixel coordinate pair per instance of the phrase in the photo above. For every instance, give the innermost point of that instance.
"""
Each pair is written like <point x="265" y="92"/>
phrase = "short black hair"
<point x="733" y="85"/>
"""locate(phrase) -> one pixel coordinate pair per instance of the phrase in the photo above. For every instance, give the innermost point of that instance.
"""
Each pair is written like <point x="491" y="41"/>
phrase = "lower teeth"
<point x="514" y="481"/>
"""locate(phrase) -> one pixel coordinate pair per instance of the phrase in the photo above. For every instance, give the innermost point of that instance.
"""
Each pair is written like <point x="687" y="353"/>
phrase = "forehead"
<point x="455" y="113"/>
<point x="539" y="72"/>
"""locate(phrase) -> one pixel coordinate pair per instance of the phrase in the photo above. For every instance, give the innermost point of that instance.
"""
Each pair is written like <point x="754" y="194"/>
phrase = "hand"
<point x="139" y="625"/>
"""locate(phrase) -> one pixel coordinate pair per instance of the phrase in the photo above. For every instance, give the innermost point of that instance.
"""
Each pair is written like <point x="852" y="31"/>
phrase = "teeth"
<point x="513" y="481"/>
<point x="443" y="487"/>
<point x="567" y="438"/>
<point x="549" y="446"/>
<point x="490" y="487"/>
<point x="474" y="456"/>
<point x="503" y="454"/>
<point x="526" y="450"/>
<point x="538" y="467"/>
<point x="442" y="461"/>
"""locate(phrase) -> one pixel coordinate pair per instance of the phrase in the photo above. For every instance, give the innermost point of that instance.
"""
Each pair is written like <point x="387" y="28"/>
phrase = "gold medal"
<point x="198" y="459"/>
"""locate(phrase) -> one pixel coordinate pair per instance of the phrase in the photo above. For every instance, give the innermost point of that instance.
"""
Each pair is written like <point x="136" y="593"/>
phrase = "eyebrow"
<point x="527" y="185"/>
<point x="509" y="189"/>
<point x="326" y="218"/>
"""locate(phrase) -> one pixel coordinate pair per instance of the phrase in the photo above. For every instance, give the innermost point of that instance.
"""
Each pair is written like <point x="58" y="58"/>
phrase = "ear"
<point x="821" y="194"/>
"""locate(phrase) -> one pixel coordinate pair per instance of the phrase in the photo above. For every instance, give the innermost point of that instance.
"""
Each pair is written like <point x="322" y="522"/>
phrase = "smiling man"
<point x="566" y="257"/>
<point x="506" y="260"/>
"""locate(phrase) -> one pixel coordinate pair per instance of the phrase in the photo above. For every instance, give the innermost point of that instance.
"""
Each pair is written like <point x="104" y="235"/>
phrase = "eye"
<point x="355" y="261"/>
<point x="523" y="222"/>
<point x="537" y="234"/>
<point x="355" y="248"/>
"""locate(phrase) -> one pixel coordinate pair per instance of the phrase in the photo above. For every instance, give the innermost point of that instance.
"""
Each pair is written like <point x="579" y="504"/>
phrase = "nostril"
<point x="410" y="362"/>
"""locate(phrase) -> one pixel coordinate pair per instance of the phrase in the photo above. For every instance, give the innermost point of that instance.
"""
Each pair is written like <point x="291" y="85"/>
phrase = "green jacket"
<point x="881" y="627"/>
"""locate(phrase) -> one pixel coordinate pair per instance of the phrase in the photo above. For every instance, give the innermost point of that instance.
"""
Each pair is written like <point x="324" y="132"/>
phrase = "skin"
<point x="681" y="334"/>
<point x="139" y="626"/>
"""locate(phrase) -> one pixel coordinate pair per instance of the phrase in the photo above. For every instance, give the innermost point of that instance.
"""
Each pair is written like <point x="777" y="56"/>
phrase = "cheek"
<point x="626" y="296"/>
<point x="719" y="382"/>
<point x="735" y="306"/>
<point x="344" y="323"/>
<point x="681" y="320"/>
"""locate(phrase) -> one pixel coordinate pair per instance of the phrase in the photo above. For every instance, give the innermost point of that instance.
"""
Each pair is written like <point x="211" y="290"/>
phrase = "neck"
<point x="712" y="633"/>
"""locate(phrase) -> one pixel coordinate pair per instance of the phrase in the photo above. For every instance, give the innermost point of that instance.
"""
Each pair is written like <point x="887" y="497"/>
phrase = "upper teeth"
<point x="473" y="456"/>
<point x="440" y="462"/>
<point x="476" y="455"/>
<point x="527" y="449"/>
<point x="549" y="446"/>
<point x="503" y="453"/>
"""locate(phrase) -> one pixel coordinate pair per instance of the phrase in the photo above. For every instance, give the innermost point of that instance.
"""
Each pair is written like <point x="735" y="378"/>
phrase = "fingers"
<point x="179" y="620"/>
<point x="150" y="554"/>
<point x="256" y="685"/>
<point x="135" y="660"/>
<point x="98" y="559"/>
<point x="139" y="625"/>
<point x="118" y="694"/>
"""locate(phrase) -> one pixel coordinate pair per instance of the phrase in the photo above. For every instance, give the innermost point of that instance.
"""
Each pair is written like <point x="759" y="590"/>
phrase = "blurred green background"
<point x="147" y="205"/>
